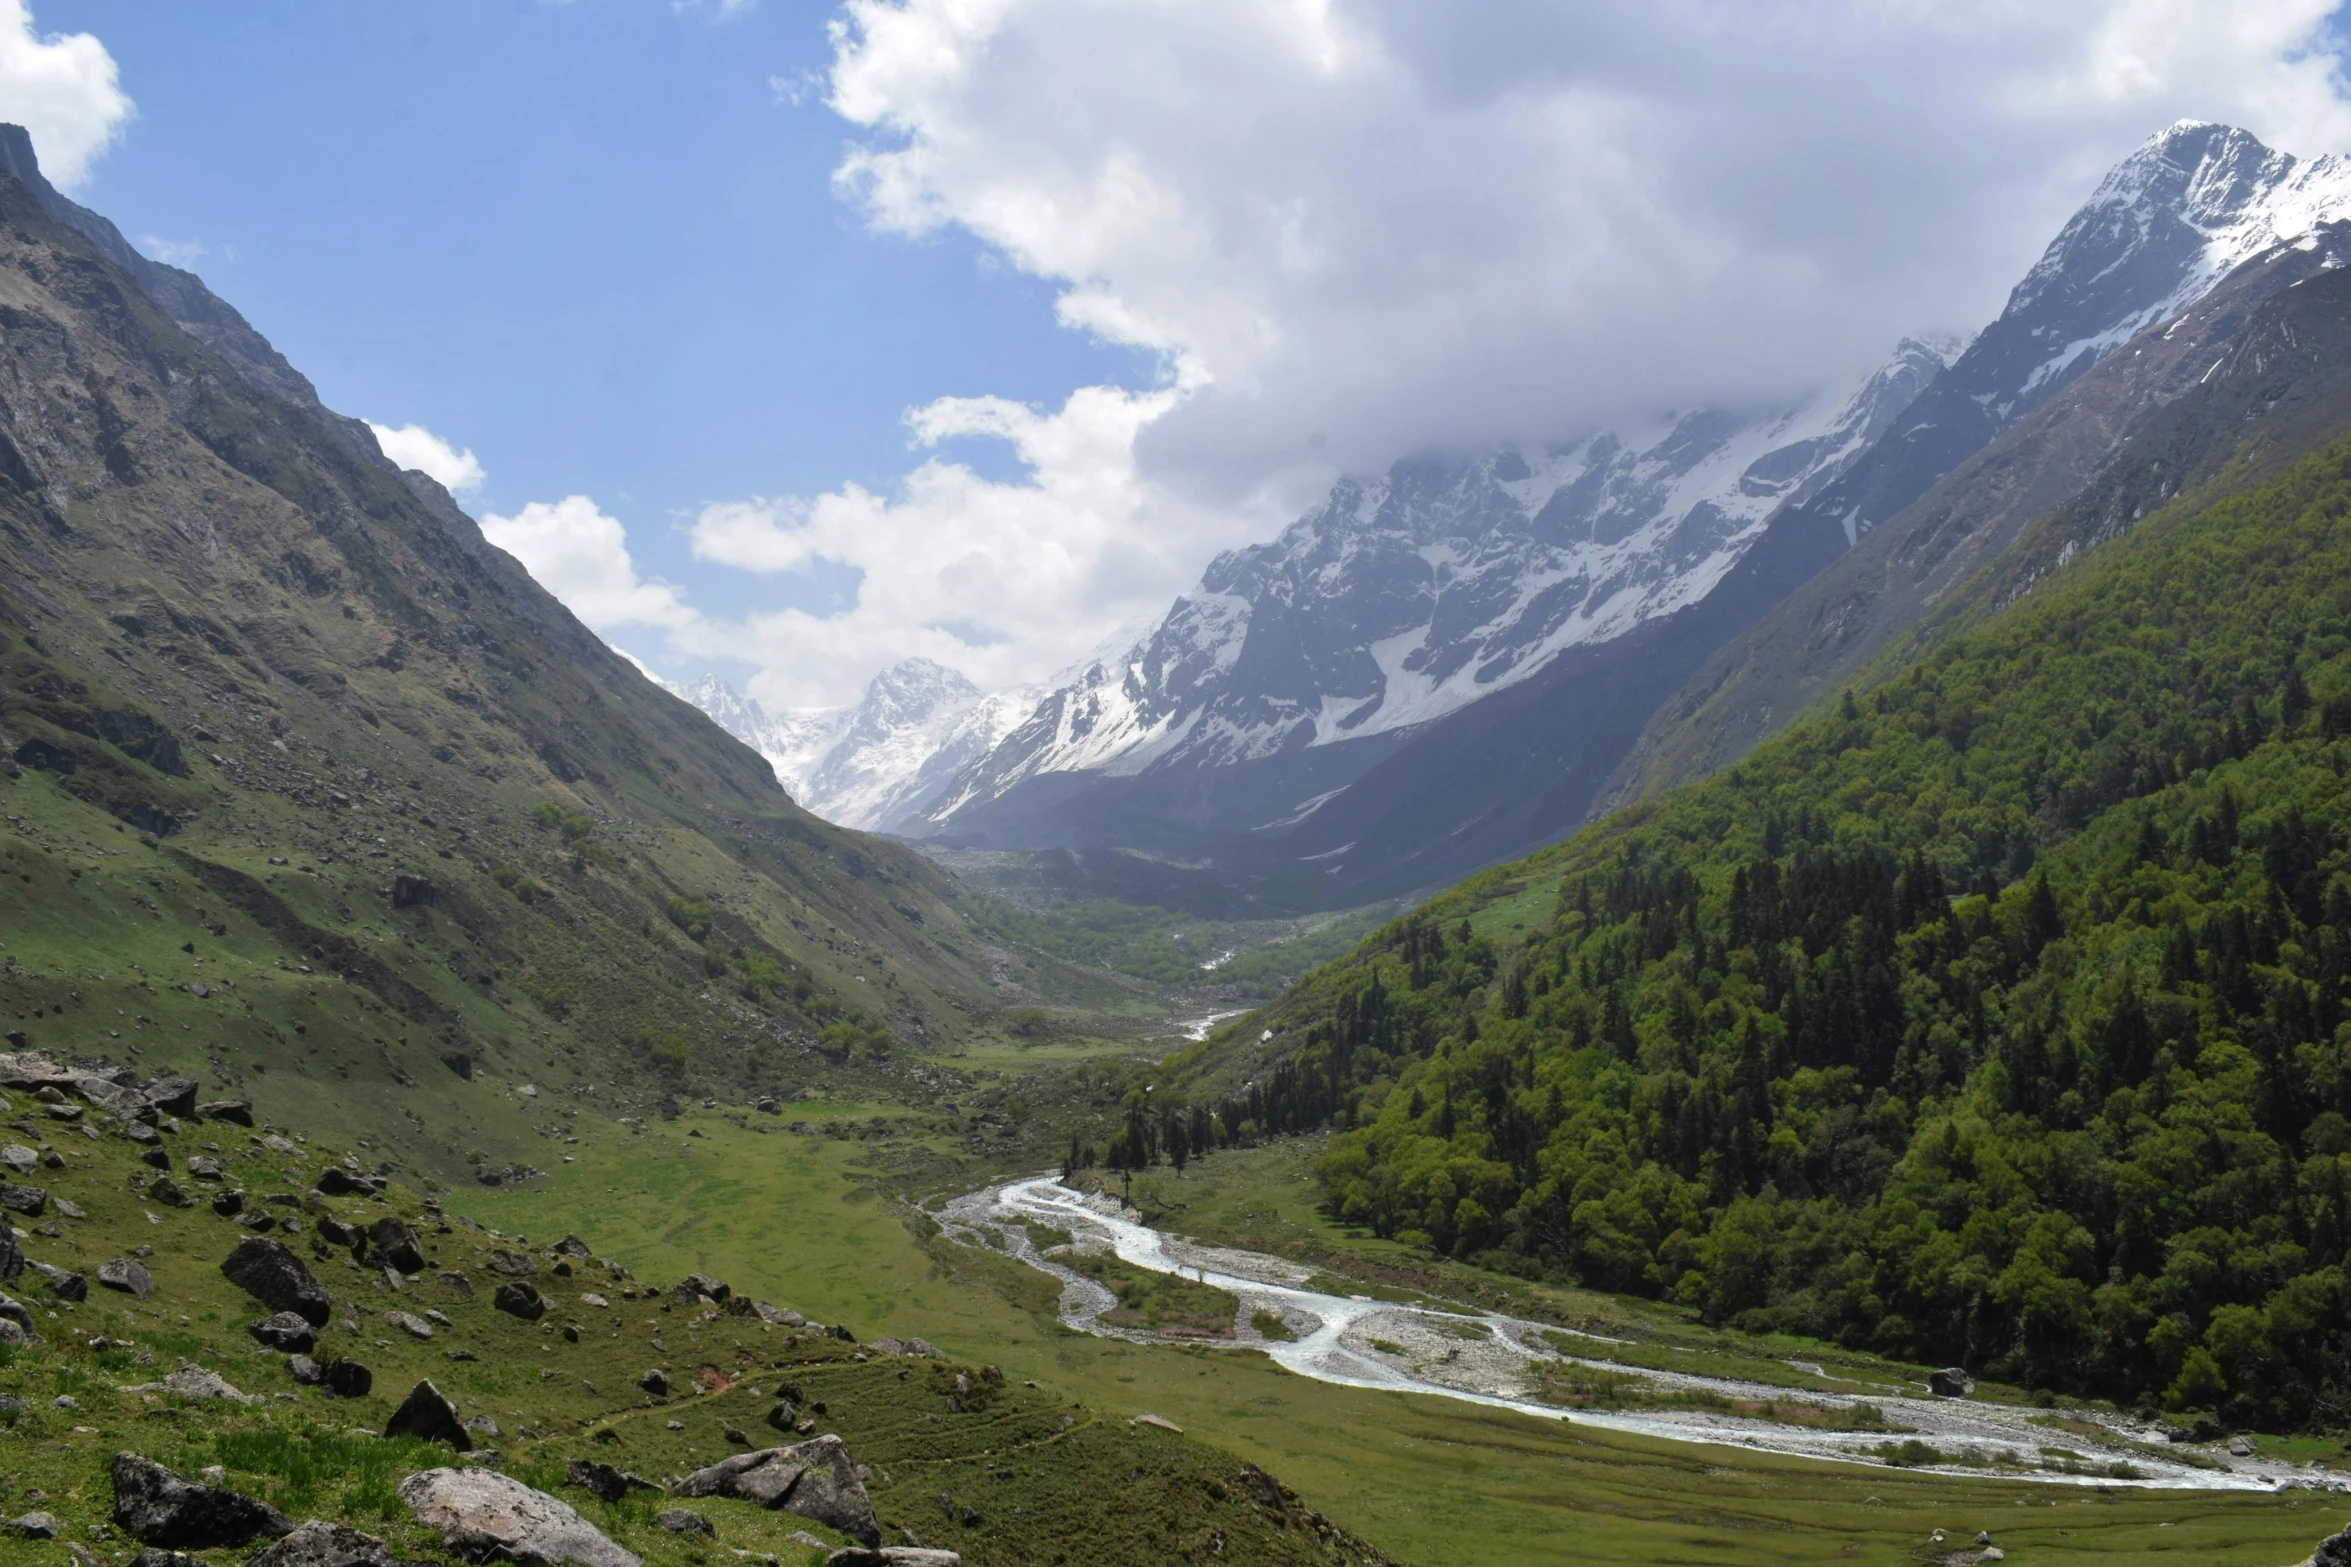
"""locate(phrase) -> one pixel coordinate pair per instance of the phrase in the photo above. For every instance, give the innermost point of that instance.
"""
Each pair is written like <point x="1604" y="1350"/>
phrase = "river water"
<point x="1487" y="1358"/>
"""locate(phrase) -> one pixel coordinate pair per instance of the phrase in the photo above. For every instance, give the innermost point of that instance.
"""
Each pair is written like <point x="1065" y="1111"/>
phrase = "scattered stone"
<point x="128" y="1275"/>
<point x="785" y="1416"/>
<point x="197" y="1383"/>
<point x="284" y="1330"/>
<point x="655" y="1382"/>
<point x="1950" y="1382"/>
<point x="152" y="1557"/>
<point x="681" y="1520"/>
<point x="520" y="1300"/>
<point x="591" y="1298"/>
<point x="342" y="1378"/>
<point x="481" y="1513"/>
<point x="608" y="1483"/>
<point x="734" y="1435"/>
<point x="319" y="1543"/>
<point x="269" y="1271"/>
<point x="428" y="1416"/>
<point x="815" y="1479"/>
<point x="1158" y="1422"/>
<point x="17" y="1157"/>
<point x="256" y="1221"/>
<point x="482" y="1425"/>
<point x="414" y="1327"/>
<point x="37" y="1526"/>
<point x="27" y="1200"/>
<point x="157" y="1507"/>
<point x="694" y="1286"/>
<point x="63" y="1284"/>
<point x="571" y="1246"/>
<point x="236" y="1111"/>
<point x="71" y="1210"/>
<point x="906" y="1346"/>
<point x="892" y="1556"/>
<point x="2240" y="1447"/>
<point x="156" y="1158"/>
<point x="168" y="1192"/>
<point x="202" y="1167"/>
<point x="457" y="1282"/>
<point x="514" y="1264"/>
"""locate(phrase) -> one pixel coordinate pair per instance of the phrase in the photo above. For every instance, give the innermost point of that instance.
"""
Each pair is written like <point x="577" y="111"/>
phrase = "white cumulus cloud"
<point x="582" y="557"/>
<point x="414" y="446"/>
<point x="1005" y="579"/>
<point x="64" y="89"/>
<point x="1400" y="224"/>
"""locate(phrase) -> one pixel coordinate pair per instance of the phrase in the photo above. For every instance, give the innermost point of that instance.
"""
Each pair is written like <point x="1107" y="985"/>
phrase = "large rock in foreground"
<point x="157" y="1507"/>
<point x="319" y="1543"/>
<point x="815" y="1479"/>
<point x="270" y="1272"/>
<point x="482" y="1514"/>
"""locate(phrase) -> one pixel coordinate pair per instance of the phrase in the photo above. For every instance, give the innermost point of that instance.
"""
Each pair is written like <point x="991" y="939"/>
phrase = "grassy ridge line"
<point x="2079" y="1126"/>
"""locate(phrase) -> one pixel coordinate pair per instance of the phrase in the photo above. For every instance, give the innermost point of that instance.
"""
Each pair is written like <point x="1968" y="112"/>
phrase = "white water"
<point x="1198" y="1028"/>
<point x="1487" y="1358"/>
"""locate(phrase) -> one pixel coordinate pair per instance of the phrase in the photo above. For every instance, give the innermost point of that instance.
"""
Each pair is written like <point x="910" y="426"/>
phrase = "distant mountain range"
<point x="1440" y="667"/>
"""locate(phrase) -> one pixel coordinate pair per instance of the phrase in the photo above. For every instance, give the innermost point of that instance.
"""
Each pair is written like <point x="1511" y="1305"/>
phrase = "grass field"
<point x="814" y="1221"/>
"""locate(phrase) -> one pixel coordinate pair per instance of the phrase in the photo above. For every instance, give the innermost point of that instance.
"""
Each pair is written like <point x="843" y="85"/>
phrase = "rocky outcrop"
<point x="157" y="1507"/>
<point x="427" y="1415"/>
<point x="285" y="1330"/>
<point x="815" y="1479"/>
<point x="482" y="1515"/>
<point x="270" y="1272"/>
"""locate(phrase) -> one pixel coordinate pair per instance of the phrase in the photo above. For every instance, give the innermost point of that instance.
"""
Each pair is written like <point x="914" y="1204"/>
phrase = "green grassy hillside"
<point x="1991" y="1016"/>
<point x="301" y="778"/>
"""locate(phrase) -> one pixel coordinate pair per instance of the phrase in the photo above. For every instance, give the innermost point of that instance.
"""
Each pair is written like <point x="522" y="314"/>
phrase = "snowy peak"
<point x="869" y="764"/>
<point x="1404" y="596"/>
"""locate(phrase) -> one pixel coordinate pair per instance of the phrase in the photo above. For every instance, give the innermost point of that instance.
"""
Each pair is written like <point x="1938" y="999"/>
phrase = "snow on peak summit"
<point x="872" y="763"/>
<point x="1406" y="595"/>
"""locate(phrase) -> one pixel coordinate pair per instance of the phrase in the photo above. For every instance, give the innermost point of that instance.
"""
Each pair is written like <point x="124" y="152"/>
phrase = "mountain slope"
<point x="1987" y="1017"/>
<point x="1884" y="591"/>
<point x="336" y="792"/>
<point x="882" y="760"/>
<point x="1405" y="597"/>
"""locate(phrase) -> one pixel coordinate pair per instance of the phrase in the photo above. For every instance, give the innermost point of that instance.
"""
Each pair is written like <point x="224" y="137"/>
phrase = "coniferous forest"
<point x="1996" y="1015"/>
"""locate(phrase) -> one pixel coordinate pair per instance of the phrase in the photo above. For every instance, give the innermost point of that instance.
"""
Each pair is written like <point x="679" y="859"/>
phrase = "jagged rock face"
<point x="2169" y="222"/>
<point x="1404" y="597"/>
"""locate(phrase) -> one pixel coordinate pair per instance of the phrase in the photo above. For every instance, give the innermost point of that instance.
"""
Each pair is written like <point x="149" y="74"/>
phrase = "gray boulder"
<point x="427" y="1415"/>
<point x="285" y="1330"/>
<point x="127" y="1274"/>
<point x="514" y="1264"/>
<point x="36" y="1526"/>
<point x="892" y="1556"/>
<point x="62" y="1282"/>
<point x="520" y="1300"/>
<point x="27" y="1200"/>
<point x="319" y="1543"/>
<point x="156" y="1507"/>
<point x="2333" y="1551"/>
<point x="237" y="1111"/>
<point x="482" y="1514"/>
<point x="684" y="1520"/>
<point x="392" y="1244"/>
<point x="270" y="1272"/>
<point x="151" y="1557"/>
<point x="606" y="1482"/>
<point x="815" y="1479"/>
<point x="1950" y="1382"/>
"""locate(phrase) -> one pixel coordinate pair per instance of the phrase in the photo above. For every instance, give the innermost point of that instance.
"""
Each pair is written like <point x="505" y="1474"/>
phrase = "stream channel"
<point x="1486" y="1358"/>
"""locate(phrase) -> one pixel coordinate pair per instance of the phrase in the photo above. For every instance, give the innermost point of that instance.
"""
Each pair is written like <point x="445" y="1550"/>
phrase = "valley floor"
<point x="830" y="1218"/>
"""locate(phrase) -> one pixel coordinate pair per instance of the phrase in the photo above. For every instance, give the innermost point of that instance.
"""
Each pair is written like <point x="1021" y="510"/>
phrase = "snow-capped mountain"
<point x="882" y="758"/>
<point x="1404" y="597"/>
<point x="1436" y="667"/>
<point x="2169" y="222"/>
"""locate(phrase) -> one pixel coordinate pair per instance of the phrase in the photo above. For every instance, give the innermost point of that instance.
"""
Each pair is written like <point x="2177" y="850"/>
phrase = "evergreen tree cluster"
<point x="1997" y="1015"/>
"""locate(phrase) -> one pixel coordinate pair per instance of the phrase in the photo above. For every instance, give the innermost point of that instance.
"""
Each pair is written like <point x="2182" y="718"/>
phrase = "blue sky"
<point x="593" y="243"/>
<point x="798" y="338"/>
